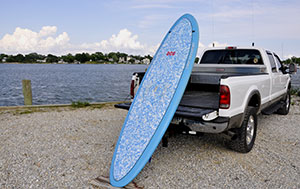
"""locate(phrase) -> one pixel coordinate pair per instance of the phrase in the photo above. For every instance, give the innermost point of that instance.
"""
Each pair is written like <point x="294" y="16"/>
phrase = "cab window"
<point x="278" y="63"/>
<point x="232" y="56"/>
<point x="272" y="62"/>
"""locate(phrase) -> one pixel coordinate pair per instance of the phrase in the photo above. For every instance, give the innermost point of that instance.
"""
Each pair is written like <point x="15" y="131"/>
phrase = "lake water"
<point x="64" y="83"/>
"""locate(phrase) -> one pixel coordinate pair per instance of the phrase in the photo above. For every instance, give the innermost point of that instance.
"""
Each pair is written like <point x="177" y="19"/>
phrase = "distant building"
<point x="146" y="61"/>
<point x="61" y="61"/>
<point x="122" y="60"/>
<point x="128" y="58"/>
<point x="42" y="61"/>
<point x="137" y="61"/>
<point x="110" y="59"/>
<point x="76" y="62"/>
<point x="4" y="59"/>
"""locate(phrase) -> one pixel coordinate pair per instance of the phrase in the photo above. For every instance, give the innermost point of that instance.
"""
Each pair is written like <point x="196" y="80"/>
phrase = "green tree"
<point x="19" y="58"/>
<point x="149" y="57"/>
<point x="2" y="56"/>
<point x="122" y="54"/>
<point x="292" y="60"/>
<point x="111" y="54"/>
<point x="131" y="61"/>
<point x="68" y="58"/>
<point x="98" y="56"/>
<point x="10" y="58"/>
<point x="52" y="58"/>
<point x="32" y="57"/>
<point x="115" y="58"/>
<point x="83" y="57"/>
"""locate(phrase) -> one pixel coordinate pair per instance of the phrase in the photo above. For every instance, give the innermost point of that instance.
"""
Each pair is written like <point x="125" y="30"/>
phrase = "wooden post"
<point x="27" y="92"/>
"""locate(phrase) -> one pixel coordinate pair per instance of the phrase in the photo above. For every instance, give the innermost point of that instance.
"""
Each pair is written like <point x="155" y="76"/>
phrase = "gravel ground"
<point x="69" y="148"/>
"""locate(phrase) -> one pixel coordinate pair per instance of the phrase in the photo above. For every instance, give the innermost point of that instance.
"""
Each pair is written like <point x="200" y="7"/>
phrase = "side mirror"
<point x="292" y="68"/>
<point x="284" y="69"/>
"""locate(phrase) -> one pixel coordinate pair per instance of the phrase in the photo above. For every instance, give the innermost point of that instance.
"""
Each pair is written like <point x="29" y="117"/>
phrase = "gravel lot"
<point x="68" y="148"/>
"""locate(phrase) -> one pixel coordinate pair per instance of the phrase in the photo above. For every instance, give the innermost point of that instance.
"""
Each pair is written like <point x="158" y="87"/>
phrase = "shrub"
<point x="79" y="104"/>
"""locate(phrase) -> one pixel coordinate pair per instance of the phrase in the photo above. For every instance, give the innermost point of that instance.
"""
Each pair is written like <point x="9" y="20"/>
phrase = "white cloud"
<point x="122" y="41"/>
<point x="47" y="30"/>
<point x="153" y="49"/>
<point x="47" y="41"/>
<point x="26" y="41"/>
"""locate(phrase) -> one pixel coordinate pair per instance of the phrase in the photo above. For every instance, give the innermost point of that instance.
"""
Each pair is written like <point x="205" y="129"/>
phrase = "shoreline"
<point x="28" y="109"/>
<point x="70" y="63"/>
<point x="57" y="105"/>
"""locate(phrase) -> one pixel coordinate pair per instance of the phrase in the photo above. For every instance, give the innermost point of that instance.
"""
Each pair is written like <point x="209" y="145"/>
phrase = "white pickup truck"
<point x="228" y="87"/>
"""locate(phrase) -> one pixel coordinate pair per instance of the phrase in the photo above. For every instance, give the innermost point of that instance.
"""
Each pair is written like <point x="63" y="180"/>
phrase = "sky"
<point x="138" y="26"/>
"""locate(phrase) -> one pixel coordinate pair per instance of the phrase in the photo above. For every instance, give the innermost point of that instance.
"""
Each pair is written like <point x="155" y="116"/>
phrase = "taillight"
<point x="132" y="89"/>
<point x="224" y="97"/>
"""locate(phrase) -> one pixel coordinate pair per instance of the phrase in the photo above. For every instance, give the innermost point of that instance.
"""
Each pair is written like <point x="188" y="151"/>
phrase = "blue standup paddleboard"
<point x="156" y="101"/>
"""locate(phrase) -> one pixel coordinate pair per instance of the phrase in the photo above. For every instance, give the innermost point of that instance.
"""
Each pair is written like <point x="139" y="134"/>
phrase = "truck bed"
<point x="200" y="99"/>
<point x="202" y="92"/>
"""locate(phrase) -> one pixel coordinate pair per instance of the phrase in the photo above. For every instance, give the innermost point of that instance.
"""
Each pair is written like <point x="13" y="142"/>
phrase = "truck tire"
<point x="284" y="110"/>
<point x="246" y="133"/>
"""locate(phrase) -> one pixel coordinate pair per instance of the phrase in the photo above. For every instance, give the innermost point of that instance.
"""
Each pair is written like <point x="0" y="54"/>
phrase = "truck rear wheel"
<point x="246" y="133"/>
<point x="284" y="110"/>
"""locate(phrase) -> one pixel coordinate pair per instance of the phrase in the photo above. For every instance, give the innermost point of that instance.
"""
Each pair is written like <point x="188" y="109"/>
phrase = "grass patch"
<point x="79" y="104"/>
<point x="93" y="62"/>
<point x="26" y="112"/>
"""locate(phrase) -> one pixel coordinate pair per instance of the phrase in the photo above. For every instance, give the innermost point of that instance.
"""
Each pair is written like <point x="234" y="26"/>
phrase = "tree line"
<point x="97" y="57"/>
<point x="292" y="60"/>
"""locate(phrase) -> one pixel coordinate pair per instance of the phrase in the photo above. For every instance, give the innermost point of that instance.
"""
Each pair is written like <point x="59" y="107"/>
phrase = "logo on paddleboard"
<point x="171" y="53"/>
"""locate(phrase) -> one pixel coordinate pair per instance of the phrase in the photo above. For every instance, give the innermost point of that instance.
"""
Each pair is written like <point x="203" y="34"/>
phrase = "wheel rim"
<point x="287" y="102"/>
<point x="250" y="129"/>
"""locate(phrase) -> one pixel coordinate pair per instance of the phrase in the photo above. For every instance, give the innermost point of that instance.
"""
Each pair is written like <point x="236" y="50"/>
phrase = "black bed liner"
<point x="200" y="99"/>
<point x="182" y="111"/>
